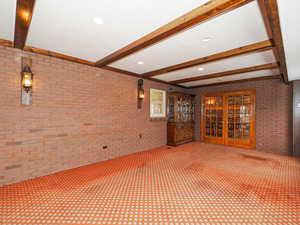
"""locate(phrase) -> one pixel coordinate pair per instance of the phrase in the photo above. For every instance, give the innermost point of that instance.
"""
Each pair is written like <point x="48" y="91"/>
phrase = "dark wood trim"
<point x="228" y="73"/>
<point x="238" y="81"/>
<point x="137" y="75"/>
<point x="256" y="47"/>
<point x="24" y="13"/>
<point x="203" y="13"/>
<point x="57" y="55"/>
<point x="6" y="43"/>
<point x="40" y="51"/>
<point x="269" y="10"/>
<point x="113" y="69"/>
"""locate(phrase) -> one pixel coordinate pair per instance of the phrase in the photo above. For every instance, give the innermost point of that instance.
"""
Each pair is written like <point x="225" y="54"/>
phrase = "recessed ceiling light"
<point x="200" y="69"/>
<point x="98" y="20"/>
<point x="140" y="62"/>
<point x="206" y="39"/>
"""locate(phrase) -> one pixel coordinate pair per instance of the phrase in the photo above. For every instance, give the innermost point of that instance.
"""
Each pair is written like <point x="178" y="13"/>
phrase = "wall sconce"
<point x="27" y="79"/>
<point x="141" y="93"/>
<point x="26" y="82"/>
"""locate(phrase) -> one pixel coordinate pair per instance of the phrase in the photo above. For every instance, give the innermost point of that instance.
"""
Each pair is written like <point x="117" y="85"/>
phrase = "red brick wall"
<point x="76" y="110"/>
<point x="273" y="107"/>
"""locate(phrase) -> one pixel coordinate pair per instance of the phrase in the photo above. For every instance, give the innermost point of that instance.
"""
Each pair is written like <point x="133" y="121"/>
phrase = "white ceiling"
<point x="237" y="28"/>
<point x="7" y="19"/>
<point x="255" y="74"/>
<point x="67" y="26"/>
<point x="290" y="19"/>
<point x="237" y="62"/>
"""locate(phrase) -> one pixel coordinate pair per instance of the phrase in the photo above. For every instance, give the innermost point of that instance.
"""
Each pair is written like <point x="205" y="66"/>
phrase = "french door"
<point x="229" y="118"/>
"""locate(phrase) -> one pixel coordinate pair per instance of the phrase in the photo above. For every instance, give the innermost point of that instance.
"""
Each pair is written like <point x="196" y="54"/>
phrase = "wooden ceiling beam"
<point x="256" y="47"/>
<point x="237" y="81"/>
<point x="270" y="14"/>
<point x="40" y="51"/>
<point x="24" y="13"/>
<point x="227" y="73"/>
<point x="203" y="13"/>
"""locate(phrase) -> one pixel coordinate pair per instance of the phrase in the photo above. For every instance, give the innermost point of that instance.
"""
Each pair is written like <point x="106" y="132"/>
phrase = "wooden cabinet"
<point x="229" y="118"/>
<point x="181" y="113"/>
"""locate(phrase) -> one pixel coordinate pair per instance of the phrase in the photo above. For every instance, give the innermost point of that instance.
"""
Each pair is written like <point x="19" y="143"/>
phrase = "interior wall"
<point x="296" y="118"/>
<point x="76" y="110"/>
<point x="273" y="112"/>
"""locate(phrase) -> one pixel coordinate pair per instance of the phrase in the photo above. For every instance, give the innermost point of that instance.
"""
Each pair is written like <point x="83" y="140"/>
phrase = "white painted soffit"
<point x="249" y="75"/>
<point x="238" y="62"/>
<point x="239" y="27"/>
<point x="289" y="12"/>
<point x="92" y="29"/>
<point x="7" y="19"/>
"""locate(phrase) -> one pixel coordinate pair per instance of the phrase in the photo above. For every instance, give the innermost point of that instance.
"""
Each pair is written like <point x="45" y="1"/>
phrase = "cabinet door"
<point x="213" y="119"/>
<point x="241" y="119"/>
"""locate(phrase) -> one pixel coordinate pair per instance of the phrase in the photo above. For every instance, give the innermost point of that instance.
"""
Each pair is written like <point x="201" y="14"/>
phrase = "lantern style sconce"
<point x="141" y="93"/>
<point x="27" y="79"/>
<point x="26" y="82"/>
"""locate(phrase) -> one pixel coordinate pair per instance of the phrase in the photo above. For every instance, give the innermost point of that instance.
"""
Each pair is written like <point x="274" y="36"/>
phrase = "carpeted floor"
<point x="191" y="184"/>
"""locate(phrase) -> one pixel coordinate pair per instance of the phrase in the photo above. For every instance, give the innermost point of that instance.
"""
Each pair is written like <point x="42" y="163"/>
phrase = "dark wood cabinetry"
<point x="181" y="113"/>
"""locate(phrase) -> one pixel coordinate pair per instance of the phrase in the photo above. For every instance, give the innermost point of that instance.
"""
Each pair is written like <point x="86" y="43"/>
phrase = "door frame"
<point x="225" y="118"/>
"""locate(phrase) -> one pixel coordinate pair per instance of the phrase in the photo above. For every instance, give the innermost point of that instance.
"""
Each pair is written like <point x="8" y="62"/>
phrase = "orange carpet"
<point x="191" y="184"/>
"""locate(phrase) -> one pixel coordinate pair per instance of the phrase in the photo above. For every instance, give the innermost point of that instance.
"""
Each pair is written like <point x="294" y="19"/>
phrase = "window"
<point x="157" y="103"/>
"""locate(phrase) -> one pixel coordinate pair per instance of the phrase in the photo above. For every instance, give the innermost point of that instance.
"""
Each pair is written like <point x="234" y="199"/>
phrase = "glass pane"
<point x="239" y="116"/>
<point x="171" y="108"/>
<point x="213" y="108"/>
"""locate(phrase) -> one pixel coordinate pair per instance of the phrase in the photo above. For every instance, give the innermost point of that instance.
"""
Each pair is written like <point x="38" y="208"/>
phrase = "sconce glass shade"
<point x="141" y="94"/>
<point x="27" y="80"/>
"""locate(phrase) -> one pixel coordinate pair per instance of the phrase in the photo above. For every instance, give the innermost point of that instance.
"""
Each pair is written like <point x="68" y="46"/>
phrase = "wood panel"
<point x="256" y="47"/>
<point x="228" y="73"/>
<point x="24" y="13"/>
<point x="203" y="13"/>
<point x="181" y="112"/>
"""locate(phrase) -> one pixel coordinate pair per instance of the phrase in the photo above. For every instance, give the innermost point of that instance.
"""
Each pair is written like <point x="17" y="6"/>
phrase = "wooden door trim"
<point x="252" y="139"/>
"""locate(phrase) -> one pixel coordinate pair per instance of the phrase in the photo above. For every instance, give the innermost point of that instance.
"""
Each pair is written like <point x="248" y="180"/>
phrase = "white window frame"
<point x="164" y="103"/>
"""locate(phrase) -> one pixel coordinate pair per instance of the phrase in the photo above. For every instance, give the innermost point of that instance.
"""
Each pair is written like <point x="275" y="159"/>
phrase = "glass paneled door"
<point x="241" y="119"/>
<point x="213" y="119"/>
<point x="229" y="118"/>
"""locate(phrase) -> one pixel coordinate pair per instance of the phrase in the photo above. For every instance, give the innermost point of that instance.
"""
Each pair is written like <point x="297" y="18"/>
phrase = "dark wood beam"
<point x="6" y="43"/>
<point x="269" y="11"/>
<point x="256" y="47"/>
<point x="203" y="13"/>
<point x="238" y="81"/>
<point x="24" y="13"/>
<point x="137" y="75"/>
<point x="39" y="51"/>
<point x="227" y="73"/>
<point x="57" y="55"/>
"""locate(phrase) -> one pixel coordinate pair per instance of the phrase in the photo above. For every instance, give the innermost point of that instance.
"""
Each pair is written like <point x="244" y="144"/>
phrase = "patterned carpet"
<point x="192" y="184"/>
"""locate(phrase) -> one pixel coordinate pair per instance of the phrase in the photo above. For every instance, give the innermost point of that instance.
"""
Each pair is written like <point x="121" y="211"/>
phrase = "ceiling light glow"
<point x="200" y="69"/>
<point x="140" y="62"/>
<point x="206" y="39"/>
<point x="98" y="20"/>
<point x="25" y="15"/>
